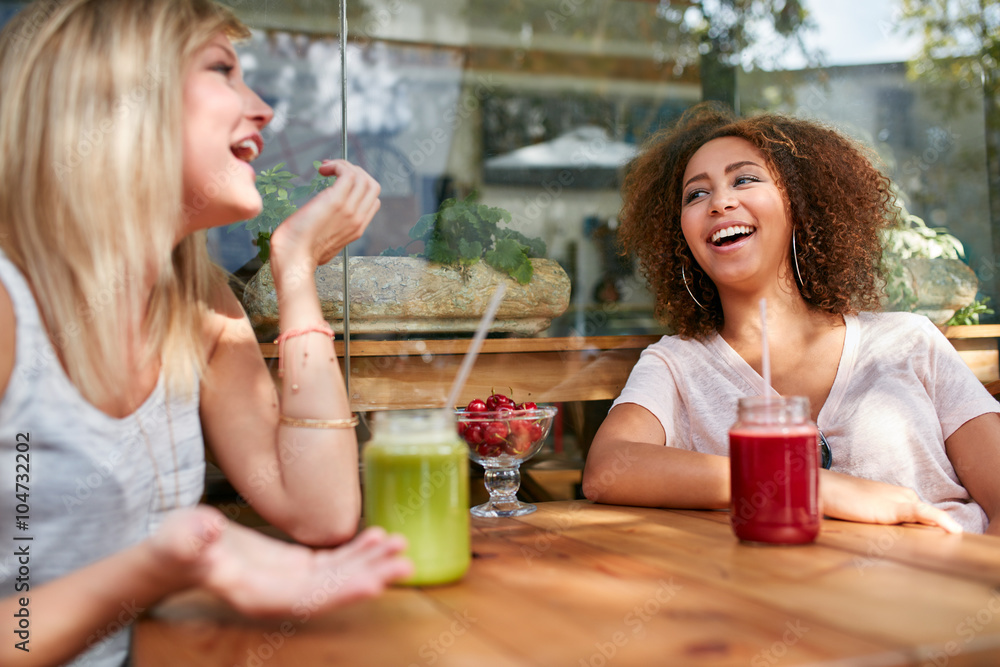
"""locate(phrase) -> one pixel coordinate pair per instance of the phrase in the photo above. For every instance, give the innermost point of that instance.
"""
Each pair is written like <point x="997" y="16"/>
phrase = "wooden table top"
<point x="579" y="584"/>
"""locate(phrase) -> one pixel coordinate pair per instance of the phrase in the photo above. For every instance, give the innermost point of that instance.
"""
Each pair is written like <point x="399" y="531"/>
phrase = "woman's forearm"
<point x="67" y="616"/>
<point x="642" y="474"/>
<point x="318" y="466"/>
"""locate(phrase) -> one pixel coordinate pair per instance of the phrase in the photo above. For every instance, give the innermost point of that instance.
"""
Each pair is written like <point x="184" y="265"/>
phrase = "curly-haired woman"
<point x="722" y="212"/>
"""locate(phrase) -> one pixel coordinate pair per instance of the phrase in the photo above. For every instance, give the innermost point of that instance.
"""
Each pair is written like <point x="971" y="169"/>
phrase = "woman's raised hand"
<point x="335" y="217"/>
<point x="261" y="576"/>
<point x="867" y="501"/>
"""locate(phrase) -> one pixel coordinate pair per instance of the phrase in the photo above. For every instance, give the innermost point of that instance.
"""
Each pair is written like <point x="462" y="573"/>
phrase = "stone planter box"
<point x="941" y="285"/>
<point x="411" y="295"/>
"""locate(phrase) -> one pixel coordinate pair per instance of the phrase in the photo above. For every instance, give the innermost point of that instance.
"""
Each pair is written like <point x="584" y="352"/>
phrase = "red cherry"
<point x="528" y="405"/>
<point x="476" y="405"/>
<point x="520" y="438"/>
<point x="497" y="400"/>
<point x="462" y="426"/>
<point x="474" y="434"/>
<point x="519" y="426"/>
<point x="535" y="432"/>
<point x="496" y="433"/>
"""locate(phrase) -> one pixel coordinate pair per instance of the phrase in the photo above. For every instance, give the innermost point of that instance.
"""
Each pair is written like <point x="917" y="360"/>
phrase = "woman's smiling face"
<point x="222" y="122"/>
<point x="734" y="215"/>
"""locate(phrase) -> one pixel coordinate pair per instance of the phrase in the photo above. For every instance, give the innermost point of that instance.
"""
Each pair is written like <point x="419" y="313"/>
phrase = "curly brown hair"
<point x="838" y="202"/>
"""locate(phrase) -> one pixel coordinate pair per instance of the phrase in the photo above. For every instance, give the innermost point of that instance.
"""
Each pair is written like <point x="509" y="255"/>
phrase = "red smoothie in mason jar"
<point x="774" y="476"/>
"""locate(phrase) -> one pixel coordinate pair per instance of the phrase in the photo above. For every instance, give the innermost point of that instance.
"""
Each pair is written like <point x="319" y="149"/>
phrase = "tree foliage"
<point x="960" y="42"/>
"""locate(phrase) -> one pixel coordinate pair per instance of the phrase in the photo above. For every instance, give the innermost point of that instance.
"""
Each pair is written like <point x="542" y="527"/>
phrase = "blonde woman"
<point x="126" y="130"/>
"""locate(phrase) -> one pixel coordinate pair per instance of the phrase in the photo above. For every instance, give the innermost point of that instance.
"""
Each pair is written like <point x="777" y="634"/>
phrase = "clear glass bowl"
<point x="500" y="441"/>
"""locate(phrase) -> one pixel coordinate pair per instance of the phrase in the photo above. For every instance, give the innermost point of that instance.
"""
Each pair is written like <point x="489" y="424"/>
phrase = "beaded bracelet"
<point x="349" y="422"/>
<point x="324" y="329"/>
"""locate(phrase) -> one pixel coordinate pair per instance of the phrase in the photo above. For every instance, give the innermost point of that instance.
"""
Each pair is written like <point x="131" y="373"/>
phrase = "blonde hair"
<point x="92" y="198"/>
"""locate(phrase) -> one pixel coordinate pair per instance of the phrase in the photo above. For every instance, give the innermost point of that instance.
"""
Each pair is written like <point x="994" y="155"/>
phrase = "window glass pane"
<point x="532" y="107"/>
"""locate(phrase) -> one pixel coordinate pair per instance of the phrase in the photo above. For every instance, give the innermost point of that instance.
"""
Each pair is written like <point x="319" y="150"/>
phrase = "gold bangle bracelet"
<point x="349" y="422"/>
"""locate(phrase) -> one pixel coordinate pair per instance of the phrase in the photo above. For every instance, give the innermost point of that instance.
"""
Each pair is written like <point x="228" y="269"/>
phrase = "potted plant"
<point x="465" y="250"/>
<point x="925" y="272"/>
<point x="463" y="232"/>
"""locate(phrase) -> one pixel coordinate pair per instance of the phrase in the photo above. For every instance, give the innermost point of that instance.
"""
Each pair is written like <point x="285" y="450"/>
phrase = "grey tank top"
<point x="89" y="483"/>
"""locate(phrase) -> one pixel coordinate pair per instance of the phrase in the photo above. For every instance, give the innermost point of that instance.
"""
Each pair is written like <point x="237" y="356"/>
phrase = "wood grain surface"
<point x="580" y="584"/>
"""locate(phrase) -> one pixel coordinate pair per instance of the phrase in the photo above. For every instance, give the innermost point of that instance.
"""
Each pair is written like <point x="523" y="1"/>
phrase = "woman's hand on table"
<point x="261" y="576"/>
<point x="866" y="501"/>
<point x="335" y="217"/>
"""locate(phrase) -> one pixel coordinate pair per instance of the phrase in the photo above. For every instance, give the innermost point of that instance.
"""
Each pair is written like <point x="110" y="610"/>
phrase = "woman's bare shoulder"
<point x="7" y="328"/>
<point x="225" y="319"/>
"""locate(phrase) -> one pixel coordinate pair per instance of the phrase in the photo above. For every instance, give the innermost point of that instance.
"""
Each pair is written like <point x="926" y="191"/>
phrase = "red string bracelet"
<point x="324" y="329"/>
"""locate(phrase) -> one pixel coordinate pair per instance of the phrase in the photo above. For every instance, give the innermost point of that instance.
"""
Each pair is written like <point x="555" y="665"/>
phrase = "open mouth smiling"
<point x="731" y="234"/>
<point x="247" y="149"/>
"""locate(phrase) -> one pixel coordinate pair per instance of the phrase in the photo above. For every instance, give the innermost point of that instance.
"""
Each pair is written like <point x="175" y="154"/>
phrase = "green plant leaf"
<point x="438" y="251"/>
<point x="532" y="247"/>
<point x="523" y="273"/>
<point x="970" y="313"/>
<point x="301" y="192"/>
<point x="424" y="228"/>
<point x="509" y="258"/>
<point x="464" y="231"/>
<point x="469" y="250"/>
<point x="399" y="251"/>
<point x="264" y="246"/>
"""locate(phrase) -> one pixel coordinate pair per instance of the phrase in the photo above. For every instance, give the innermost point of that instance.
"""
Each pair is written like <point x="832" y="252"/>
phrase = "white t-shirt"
<point x="901" y="390"/>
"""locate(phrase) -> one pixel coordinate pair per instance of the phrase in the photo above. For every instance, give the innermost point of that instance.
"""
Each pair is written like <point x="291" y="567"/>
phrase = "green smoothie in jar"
<point x="416" y="483"/>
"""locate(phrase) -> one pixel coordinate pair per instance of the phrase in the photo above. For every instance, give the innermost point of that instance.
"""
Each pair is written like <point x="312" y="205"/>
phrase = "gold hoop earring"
<point x="690" y="293"/>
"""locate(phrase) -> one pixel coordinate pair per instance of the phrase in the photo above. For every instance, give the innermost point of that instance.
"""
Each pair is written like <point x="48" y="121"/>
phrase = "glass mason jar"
<point x="774" y="465"/>
<point x="416" y="483"/>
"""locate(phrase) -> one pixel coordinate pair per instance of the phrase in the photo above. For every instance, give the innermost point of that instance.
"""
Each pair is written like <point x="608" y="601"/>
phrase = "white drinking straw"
<point x="765" y="354"/>
<point x="477" y="342"/>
